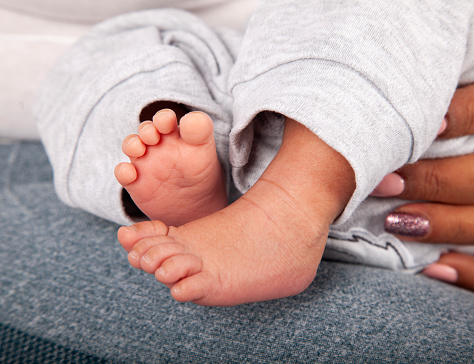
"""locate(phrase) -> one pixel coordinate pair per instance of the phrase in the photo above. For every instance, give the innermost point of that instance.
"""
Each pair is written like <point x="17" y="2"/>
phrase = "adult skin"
<point x="448" y="186"/>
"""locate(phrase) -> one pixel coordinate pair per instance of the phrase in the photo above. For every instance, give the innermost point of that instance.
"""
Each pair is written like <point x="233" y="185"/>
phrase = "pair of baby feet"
<point x="266" y="245"/>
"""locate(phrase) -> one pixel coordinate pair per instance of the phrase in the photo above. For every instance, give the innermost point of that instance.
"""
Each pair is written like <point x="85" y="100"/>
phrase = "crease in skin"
<point x="260" y="208"/>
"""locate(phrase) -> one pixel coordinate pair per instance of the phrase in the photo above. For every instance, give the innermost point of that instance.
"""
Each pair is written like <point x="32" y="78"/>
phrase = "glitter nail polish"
<point x="400" y="223"/>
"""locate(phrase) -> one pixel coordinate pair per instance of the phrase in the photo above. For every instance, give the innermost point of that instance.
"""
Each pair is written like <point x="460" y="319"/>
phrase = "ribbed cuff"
<point x="339" y="105"/>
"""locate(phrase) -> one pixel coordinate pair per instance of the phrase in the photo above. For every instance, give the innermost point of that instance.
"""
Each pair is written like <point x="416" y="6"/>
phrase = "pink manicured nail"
<point x="399" y="223"/>
<point x="441" y="272"/>
<point x="443" y="127"/>
<point x="392" y="185"/>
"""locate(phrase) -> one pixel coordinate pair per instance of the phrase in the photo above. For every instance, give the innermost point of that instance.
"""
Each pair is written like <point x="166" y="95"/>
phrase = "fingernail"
<point x="441" y="272"/>
<point x="443" y="127"/>
<point x="392" y="185"/>
<point x="399" y="223"/>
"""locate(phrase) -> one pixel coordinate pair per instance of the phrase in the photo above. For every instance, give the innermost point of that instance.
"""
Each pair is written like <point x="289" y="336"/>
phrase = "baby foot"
<point x="266" y="245"/>
<point x="174" y="175"/>
<point x="249" y="251"/>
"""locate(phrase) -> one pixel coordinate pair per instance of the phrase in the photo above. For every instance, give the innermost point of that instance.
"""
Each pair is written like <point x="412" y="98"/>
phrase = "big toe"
<point x="196" y="128"/>
<point x="128" y="236"/>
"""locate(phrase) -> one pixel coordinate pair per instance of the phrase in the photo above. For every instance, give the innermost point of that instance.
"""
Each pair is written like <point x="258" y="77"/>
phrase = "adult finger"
<point x="460" y="115"/>
<point x="447" y="180"/>
<point x="433" y="223"/>
<point x="453" y="267"/>
<point x="459" y="121"/>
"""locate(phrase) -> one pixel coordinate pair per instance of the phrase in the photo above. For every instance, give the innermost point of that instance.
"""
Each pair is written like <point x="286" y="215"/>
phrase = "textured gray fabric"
<point x="373" y="79"/>
<point x="18" y="347"/>
<point x="378" y="112"/>
<point x="35" y="33"/>
<point x="95" y="94"/>
<point x="65" y="278"/>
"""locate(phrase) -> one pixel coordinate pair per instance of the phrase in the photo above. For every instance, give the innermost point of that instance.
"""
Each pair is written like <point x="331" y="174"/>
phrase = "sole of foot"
<point x="174" y="174"/>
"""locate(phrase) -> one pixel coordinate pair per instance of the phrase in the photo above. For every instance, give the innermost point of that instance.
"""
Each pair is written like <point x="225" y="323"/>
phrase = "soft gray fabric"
<point x="35" y="33"/>
<point x="373" y="79"/>
<point x="95" y="94"/>
<point x="308" y="60"/>
<point x="65" y="278"/>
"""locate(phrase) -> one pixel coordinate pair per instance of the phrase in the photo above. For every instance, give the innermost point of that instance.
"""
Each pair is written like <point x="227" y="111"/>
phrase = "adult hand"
<point x="448" y="185"/>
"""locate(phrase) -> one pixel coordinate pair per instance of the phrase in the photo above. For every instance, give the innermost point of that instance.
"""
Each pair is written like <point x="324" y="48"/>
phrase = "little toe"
<point x="129" y="236"/>
<point x="157" y="254"/>
<point x="194" y="288"/>
<point x="142" y="247"/>
<point x="196" y="128"/>
<point x="178" y="267"/>
<point x="165" y="121"/>
<point x="125" y="173"/>
<point x="133" y="147"/>
<point x="148" y="133"/>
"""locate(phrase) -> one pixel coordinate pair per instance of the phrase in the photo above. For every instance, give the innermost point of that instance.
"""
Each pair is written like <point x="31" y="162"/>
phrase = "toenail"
<point x="163" y="112"/>
<point x="149" y="127"/>
<point x="161" y="272"/>
<point x="131" y="228"/>
<point x="146" y="259"/>
<point x="133" y="254"/>
<point x="132" y="140"/>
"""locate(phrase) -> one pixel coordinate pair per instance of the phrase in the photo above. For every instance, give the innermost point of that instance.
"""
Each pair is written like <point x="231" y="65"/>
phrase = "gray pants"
<point x="65" y="279"/>
<point x="95" y="94"/>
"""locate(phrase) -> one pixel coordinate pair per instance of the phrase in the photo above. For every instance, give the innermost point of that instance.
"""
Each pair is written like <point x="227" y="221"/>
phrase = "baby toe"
<point x="142" y="247"/>
<point x="129" y="236"/>
<point x="178" y="267"/>
<point x="165" y="121"/>
<point x="133" y="147"/>
<point x="196" y="128"/>
<point x="125" y="173"/>
<point x="156" y="255"/>
<point x="194" y="288"/>
<point x="148" y="133"/>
